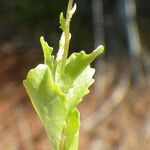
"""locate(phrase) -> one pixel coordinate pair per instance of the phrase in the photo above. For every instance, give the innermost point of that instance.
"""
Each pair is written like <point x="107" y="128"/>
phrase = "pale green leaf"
<point x="62" y="21"/>
<point x="76" y="63"/>
<point x="48" y="101"/>
<point x="80" y="87"/>
<point x="47" y="51"/>
<point x="72" y="11"/>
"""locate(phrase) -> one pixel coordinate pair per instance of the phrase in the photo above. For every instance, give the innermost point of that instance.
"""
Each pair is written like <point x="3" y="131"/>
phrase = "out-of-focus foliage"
<point x="33" y="9"/>
<point x="35" y="18"/>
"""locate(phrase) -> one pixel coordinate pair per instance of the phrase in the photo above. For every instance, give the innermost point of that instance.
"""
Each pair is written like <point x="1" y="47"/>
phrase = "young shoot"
<point x="58" y="86"/>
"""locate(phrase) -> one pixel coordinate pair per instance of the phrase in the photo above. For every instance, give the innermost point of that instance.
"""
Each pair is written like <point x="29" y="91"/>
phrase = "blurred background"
<point x="115" y="115"/>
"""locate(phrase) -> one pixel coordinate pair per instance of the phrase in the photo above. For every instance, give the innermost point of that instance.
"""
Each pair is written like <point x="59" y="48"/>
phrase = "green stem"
<point x="62" y="143"/>
<point x="67" y="35"/>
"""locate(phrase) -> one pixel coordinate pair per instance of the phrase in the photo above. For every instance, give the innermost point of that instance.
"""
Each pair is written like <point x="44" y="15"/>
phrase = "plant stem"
<point x="62" y="142"/>
<point x="67" y="35"/>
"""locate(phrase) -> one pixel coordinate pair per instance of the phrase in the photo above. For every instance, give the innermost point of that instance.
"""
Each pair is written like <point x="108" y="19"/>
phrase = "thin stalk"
<point x="62" y="142"/>
<point x="67" y="35"/>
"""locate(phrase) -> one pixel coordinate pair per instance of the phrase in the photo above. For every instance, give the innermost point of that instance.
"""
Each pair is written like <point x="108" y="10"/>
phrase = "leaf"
<point x="72" y="131"/>
<point x="48" y="101"/>
<point x="47" y="51"/>
<point x="62" y="21"/>
<point x="80" y="87"/>
<point x="58" y="61"/>
<point x="76" y="63"/>
<point x="72" y="11"/>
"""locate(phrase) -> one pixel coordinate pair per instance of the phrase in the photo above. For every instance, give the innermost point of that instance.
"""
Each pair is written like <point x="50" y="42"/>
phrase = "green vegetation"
<point x="58" y="86"/>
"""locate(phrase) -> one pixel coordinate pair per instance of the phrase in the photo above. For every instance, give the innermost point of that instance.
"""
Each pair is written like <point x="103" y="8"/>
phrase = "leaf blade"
<point x="48" y="101"/>
<point x="76" y="63"/>
<point x="47" y="51"/>
<point x="80" y="87"/>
